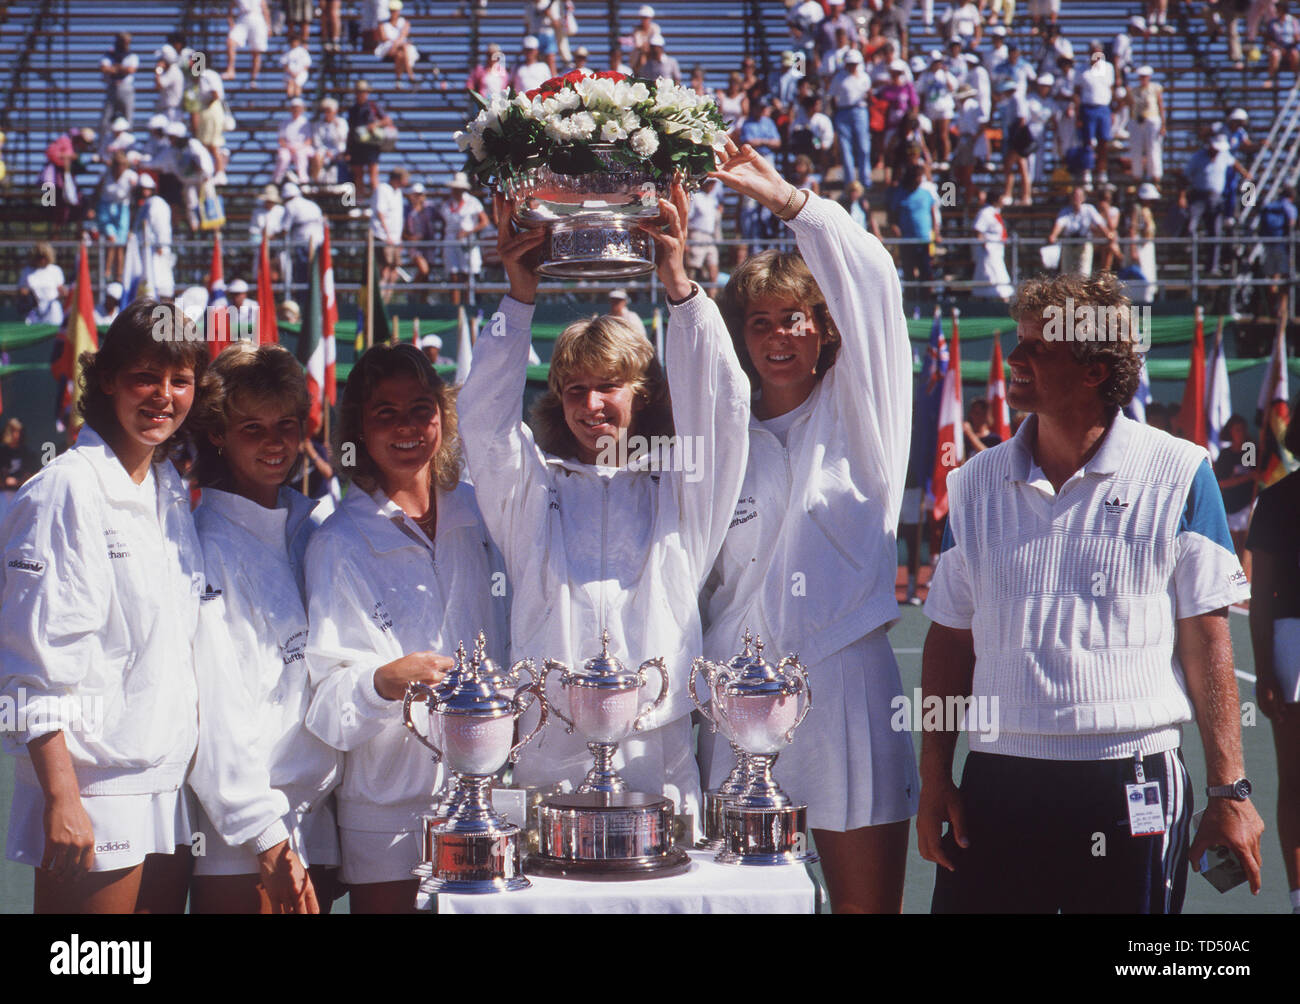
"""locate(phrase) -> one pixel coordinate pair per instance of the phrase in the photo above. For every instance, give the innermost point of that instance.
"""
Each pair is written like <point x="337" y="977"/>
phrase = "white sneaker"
<point x="1087" y="179"/>
<point x="354" y="213"/>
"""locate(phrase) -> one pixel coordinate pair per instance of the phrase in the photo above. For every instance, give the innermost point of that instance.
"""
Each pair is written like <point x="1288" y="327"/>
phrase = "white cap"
<point x="430" y="342"/>
<point x="1138" y="21"/>
<point x="1045" y="79"/>
<point x="1148" y="191"/>
<point x="394" y="4"/>
<point x="530" y="42"/>
<point x="327" y="103"/>
<point x="114" y="290"/>
<point x="999" y="31"/>
<point x="657" y="39"/>
<point x="1064" y="47"/>
<point x="1220" y="143"/>
<point x="835" y="3"/>
<point x="618" y="294"/>
<point x="898" y="66"/>
<point x="1239" y="115"/>
<point x="146" y="182"/>
<point x="290" y="190"/>
<point x="936" y="55"/>
<point x="852" y="57"/>
<point x="646" y="11"/>
<point x="298" y="102"/>
<point x="177" y="129"/>
<point x="158" y="121"/>
<point x="971" y="58"/>
<point x="167" y="54"/>
<point x="919" y="64"/>
<point x="581" y="51"/>
<point x="120" y="124"/>
<point x="417" y="188"/>
<point x="238" y="286"/>
<point x="460" y="182"/>
<point x="1145" y="71"/>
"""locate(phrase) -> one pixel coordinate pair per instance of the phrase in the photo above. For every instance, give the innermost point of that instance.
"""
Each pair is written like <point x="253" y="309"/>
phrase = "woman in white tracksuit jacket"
<point x="810" y="560"/>
<point x="401" y="573"/>
<point x="590" y="544"/>
<point x="99" y="604"/>
<point x="263" y="780"/>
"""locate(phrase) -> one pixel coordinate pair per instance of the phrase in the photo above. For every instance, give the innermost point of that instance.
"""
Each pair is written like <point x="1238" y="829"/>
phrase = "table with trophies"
<point x="602" y="847"/>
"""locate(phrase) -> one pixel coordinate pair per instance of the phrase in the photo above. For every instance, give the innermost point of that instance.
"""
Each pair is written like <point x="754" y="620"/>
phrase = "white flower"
<point x="637" y="92"/>
<point x="522" y="102"/>
<point x="630" y="121"/>
<point x="583" y="125"/>
<point x="462" y="140"/>
<point x="567" y="100"/>
<point x="558" y="129"/>
<point x="478" y="148"/>
<point x="611" y="131"/>
<point x="644" y="142"/>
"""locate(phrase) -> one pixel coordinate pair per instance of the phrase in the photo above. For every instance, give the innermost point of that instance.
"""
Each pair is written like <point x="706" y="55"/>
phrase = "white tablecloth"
<point x="706" y="888"/>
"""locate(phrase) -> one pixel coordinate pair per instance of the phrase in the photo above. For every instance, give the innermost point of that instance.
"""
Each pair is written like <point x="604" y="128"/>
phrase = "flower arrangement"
<point x="656" y="125"/>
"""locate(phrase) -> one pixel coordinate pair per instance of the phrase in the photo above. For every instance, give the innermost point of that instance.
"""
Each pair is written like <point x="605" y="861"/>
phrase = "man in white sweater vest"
<point x="1082" y="597"/>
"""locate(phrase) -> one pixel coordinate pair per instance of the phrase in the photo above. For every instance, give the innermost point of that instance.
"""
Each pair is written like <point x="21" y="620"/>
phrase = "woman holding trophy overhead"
<point x="594" y="543"/>
<point x="809" y="562"/>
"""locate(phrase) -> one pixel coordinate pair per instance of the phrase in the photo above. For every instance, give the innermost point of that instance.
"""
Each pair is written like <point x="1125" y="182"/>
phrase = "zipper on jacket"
<point x="604" y="526"/>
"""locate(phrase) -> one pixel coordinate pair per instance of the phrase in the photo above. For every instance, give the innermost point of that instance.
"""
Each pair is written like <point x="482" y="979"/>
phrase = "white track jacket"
<point x="590" y="547"/>
<point x="376" y="591"/>
<point x="100" y="605"/>
<point x="811" y="558"/>
<point x="256" y="761"/>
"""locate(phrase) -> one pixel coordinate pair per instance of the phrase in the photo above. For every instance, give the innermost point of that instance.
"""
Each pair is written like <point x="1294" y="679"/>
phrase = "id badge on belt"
<point x="1146" y="812"/>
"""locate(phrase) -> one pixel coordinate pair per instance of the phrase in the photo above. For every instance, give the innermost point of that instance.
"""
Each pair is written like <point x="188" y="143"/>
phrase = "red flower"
<point x="533" y="93"/>
<point x="610" y="75"/>
<point x="573" y="77"/>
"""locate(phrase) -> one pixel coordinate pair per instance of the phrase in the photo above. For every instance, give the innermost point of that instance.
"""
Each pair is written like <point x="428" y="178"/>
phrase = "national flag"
<point x="1218" y="395"/>
<point x="1274" y="413"/>
<point x="311" y="342"/>
<point x="1136" y="409"/>
<point x="925" y="403"/>
<point x="951" y="441"/>
<point x="329" y="315"/>
<point x="380" y="330"/>
<point x="268" y="331"/>
<point x="1191" y="415"/>
<point x="464" y="345"/>
<point x="217" y="328"/>
<point x="999" y="412"/>
<point x="132" y="270"/>
<point x="79" y="335"/>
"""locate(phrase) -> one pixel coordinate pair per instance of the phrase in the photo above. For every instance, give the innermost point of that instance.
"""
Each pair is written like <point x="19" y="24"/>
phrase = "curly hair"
<point x="246" y="377"/>
<point x="784" y="275"/>
<point x="145" y="331"/>
<point x="1042" y="295"/>
<point x="609" y="346"/>
<point x="375" y="365"/>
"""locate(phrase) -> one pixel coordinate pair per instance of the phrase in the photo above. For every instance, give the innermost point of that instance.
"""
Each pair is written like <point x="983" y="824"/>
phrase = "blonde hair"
<point x="784" y="275"/>
<point x="611" y="347"/>
<point x="243" y="378"/>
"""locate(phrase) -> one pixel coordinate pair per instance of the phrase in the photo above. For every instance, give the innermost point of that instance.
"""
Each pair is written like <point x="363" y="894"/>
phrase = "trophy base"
<point x="765" y="836"/>
<point x="714" y="838"/>
<point x="596" y="246"/>
<point x="485" y="861"/>
<point x="596" y="835"/>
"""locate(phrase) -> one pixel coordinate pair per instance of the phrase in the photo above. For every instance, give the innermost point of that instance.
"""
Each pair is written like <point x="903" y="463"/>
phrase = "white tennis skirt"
<point x="314" y="837"/>
<point x="379" y="857"/>
<point x="846" y="762"/>
<point x="1286" y="657"/>
<point x="126" y="827"/>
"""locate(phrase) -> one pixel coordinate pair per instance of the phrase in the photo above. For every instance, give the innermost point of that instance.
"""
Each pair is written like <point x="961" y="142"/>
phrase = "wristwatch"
<point x="1238" y="791"/>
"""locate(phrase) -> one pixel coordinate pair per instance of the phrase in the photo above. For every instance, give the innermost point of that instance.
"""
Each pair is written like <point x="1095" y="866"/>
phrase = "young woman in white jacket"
<point x="399" y="575"/>
<point x="99" y="598"/>
<point x="590" y="542"/>
<point x="810" y="560"/>
<point x="263" y="780"/>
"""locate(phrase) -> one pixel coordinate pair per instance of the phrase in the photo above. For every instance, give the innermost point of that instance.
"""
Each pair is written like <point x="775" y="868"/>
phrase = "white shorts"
<point x="314" y="838"/>
<point x="1239" y="521"/>
<point x="456" y="261"/>
<point x="846" y="762"/>
<point x="1286" y="657"/>
<point x="126" y="827"/>
<point x="384" y="50"/>
<point x="379" y="857"/>
<point x="251" y="32"/>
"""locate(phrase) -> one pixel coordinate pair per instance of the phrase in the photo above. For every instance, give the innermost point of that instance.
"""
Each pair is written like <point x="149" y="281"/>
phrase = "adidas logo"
<point x="1114" y="507"/>
<point x="209" y="594"/>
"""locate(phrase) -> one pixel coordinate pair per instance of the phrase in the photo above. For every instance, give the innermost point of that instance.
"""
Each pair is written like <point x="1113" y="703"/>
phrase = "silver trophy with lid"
<point x="757" y="707"/>
<point x="473" y="849"/>
<point x="603" y="830"/>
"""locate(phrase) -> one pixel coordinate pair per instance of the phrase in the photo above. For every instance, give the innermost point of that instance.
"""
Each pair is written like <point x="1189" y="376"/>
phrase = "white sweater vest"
<point x="1075" y="626"/>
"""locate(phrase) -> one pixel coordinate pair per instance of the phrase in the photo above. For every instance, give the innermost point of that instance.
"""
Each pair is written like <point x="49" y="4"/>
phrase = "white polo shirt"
<point x="1073" y="597"/>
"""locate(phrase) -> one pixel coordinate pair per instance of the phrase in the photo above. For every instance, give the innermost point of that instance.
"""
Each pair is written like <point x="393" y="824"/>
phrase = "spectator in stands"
<point x="849" y="93"/>
<point x="1018" y="144"/>
<point x="787" y="84"/>
<point x="118" y="138"/>
<point x="396" y="47"/>
<point x="154" y="219"/>
<point x="329" y="143"/>
<point x="618" y="308"/>
<point x="463" y="217"/>
<point x="812" y="133"/>
<point x="63" y="161"/>
<point x="304" y="222"/>
<point x="1078" y="223"/>
<point x="916" y="220"/>
<point x="294" y="148"/>
<point x="900" y="98"/>
<point x="978" y="433"/>
<point x="112" y="304"/>
<point x="194" y="166"/>
<point x="733" y="103"/>
<point x="118" y="67"/>
<point x="826" y="34"/>
<point x="758" y="131"/>
<point x="938" y="89"/>
<point x="658" y="63"/>
<point x="832" y="59"/>
<point x="112" y="210"/>
<point x="297" y="15"/>
<point x="750" y="78"/>
<point x="646" y="29"/>
<point x="1217" y="12"/>
<point x="423" y="228"/>
<point x="1015" y="68"/>
<point x="875" y="40"/>
<point x="1107" y="255"/>
<point x="962" y="23"/>
<point x="1239" y="145"/>
<point x="1066" y="121"/>
<point x="1157" y="16"/>
<point x="1236" y="480"/>
<point x="803" y="21"/>
<point x="991" y="276"/>
<point x="1093" y="94"/>
<point x="242" y="311"/>
<point x="41" y="287"/>
<point x="1139" y="230"/>
<point x="703" y="230"/>
<point x="386" y="215"/>
<point x="861" y="15"/>
<point x="1147" y="107"/>
<point x="1043" y="15"/>
<point x="582" y="57"/>
<point x="999" y="51"/>
<point x="858" y="205"/>
<point x="169" y="81"/>
<point x="802" y="175"/>
<point x="970" y="137"/>
<point x="893" y="24"/>
<point x="250" y="25"/>
<point x="208" y="121"/>
<point x="1277" y="221"/>
<point x="617" y="63"/>
<point x="331" y="25"/>
<point x="1042" y="113"/>
<point x="1121" y="57"/>
<point x="268" y="218"/>
<point x="296" y="61"/>
<point x="906" y="147"/>
<point x="364" y="117"/>
<point x="977" y="75"/>
<point x="491" y="77"/>
<point x="1283" y="39"/>
<point x="1207" y="176"/>
<point x="542" y="20"/>
<point x="531" y="73"/>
